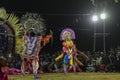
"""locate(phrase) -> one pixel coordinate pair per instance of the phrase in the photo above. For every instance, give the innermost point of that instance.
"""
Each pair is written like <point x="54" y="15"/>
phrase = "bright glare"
<point x="102" y="16"/>
<point x="94" y="18"/>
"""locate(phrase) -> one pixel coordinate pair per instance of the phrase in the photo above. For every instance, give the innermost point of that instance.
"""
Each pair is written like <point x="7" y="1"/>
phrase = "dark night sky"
<point x="76" y="14"/>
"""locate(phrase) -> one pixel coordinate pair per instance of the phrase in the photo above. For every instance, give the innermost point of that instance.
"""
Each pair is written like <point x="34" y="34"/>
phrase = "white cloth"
<point x="35" y="65"/>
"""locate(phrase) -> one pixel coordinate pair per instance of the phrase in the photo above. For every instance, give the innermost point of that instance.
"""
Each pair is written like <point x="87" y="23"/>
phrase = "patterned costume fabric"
<point x="31" y="46"/>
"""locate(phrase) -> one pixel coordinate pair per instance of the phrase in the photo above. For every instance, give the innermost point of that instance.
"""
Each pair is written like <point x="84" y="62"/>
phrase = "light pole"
<point x="103" y="17"/>
<point x="94" y="18"/>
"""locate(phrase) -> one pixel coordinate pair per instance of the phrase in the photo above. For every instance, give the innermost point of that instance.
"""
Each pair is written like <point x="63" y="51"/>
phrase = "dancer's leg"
<point x="35" y="65"/>
<point x="74" y="68"/>
<point x="65" y="68"/>
<point x="22" y="69"/>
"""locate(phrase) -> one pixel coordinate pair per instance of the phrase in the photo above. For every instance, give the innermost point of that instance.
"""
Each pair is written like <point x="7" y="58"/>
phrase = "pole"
<point x="104" y="46"/>
<point x="94" y="45"/>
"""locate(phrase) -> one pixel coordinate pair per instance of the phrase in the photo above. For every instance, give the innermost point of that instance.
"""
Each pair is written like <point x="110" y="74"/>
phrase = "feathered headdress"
<point x="13" y="23"/>
<point x="32" y="22"/>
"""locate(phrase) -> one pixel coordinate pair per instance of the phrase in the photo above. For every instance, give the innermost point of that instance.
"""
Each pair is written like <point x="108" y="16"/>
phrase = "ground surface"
<point x="69" y="76"/>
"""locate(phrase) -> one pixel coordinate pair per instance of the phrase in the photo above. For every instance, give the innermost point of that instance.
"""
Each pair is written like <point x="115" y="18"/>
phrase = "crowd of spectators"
<point x="98" y="61"/>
